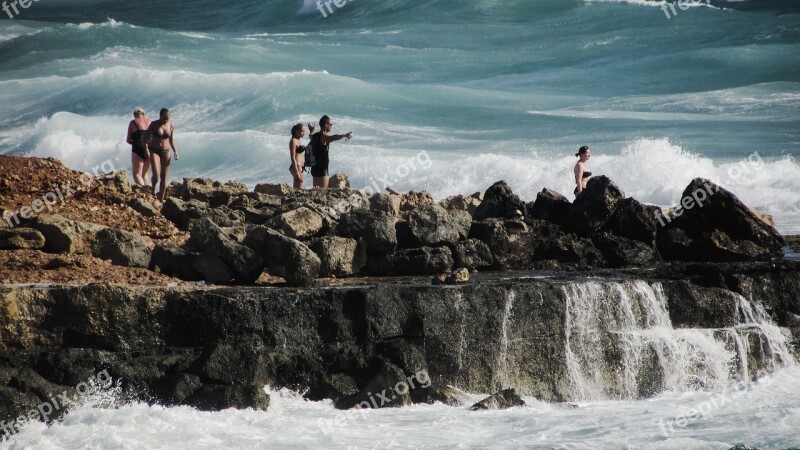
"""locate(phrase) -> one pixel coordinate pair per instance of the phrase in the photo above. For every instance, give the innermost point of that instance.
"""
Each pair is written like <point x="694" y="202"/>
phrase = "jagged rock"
<point x="182" y="214"/>
<point x="431" y="226"/>
<point x="217" y="397"/>
<point x="340" y="256"/>
<point x="377" y="228"/>
<point x="446" y="395"/>
<point x="510" y="241"/>
<point x="331" y="203"/>
<point x="567" y="248"/>
<point x="212" y="269"/>
<point x="499" y="201"/>
<point x="383" y="383"/>
<point x="212" y="192"/>
<point x="64" y="235"/>
<point x="550" y="206"/>
<point x="297" y="224"/>
<point x="472" y="254"/>
<point x="593" y="207"/>
<point x="243" y="362"/>
<point x="504" y="399"/>
<point x="634" y="220"/>
<point x="388" y="203"/>
<point x="256" y="200"/>
<point x="122" y="247"/>
<point x="378" y="264"/>
<point x="21" y="239"/>
<point x="623" y="252"/>
<point x="422" y="261"/>
<point x="14" y="404"/>
<point x="175" y="261"/>
<point x="458" y="276"/>
<point x="279" y="190"/>
<point x="144" y="207"/>
<point x="712" y="224"/>
<point x="285" y="257"/>
<point x="461" y="203"/>
<point x="245" y="263"/>
<point x="174" y="389"/>
<point x="338" y="181"/>
<point x="332" y="386"/>
<point x="413" y="200"/>
<point x="117" y="181"/>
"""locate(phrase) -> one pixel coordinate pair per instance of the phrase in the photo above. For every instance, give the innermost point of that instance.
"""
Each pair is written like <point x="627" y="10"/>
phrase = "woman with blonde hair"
<point x="140" y="153"/>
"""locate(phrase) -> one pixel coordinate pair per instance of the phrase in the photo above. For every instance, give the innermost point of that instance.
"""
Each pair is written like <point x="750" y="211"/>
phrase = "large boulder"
<point x="501" y="202"/>
<point x="218" y="397"/>
<point x="212" y="192"/>
<point x="244" y="262"/>
<point x="432" y="226"/>
<point x="623" y="252"/>
<point x="340" y="256"/>
<point x="413" y="200"/>
<point x="182" y="214"/>
<point x="64" y="235"/>
<point x="634" y="220"/>
<point x="121" y="247"/>
<point x="21" y="239"/>
<point x="510" y="241"/>
<point x="715" y="226"/>
<point x="175" y="261"/>
<point x="550" y="206"/>
<point x="331" y="203"/>
<point x="593" y="207"/>
<point x="300" y="223"/>
<point x="285" y="257"/>
<point x="385" y="382"/>
<point x="375" y="227"/>
<point x="278" y="190"/>
<point x="144" y="207"/>
<point x="422" y="261"/>
<point x="388" y="203"/>
<point x="472" y="254"/>
<point x="339" y="180"/>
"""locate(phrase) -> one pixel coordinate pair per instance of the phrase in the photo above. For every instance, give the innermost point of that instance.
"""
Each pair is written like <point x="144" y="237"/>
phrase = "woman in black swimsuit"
<point x="297" y="154"/>
<point x="582" y="173"/>
<point x="138" y="139"/>
<point x="163" y="133"/>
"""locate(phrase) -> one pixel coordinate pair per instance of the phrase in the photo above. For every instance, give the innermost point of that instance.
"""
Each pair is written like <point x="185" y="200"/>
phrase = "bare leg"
<point x="155" y="162"/>
<point x="145" y="169"/>
<point x="137" y="163"/>
<point x="297" y="181"/>
<point x="165" y="161"/>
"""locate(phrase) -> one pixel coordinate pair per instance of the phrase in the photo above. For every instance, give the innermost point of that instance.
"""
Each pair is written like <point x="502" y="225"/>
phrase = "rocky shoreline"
<point x="330" y="292"/>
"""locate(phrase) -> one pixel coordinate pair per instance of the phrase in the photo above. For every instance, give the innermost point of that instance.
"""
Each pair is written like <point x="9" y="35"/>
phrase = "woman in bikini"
<point x="138" y="139"/>
<point x="297" y="154"/>
<point x="163" y="133"/>
<point x="582" y="173"/>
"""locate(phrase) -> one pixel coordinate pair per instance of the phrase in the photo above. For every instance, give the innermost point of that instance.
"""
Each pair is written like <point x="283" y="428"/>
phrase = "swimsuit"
<point x="162" y="151"/>
<point x="585" y="175"/>
<point x="139" y="146"/>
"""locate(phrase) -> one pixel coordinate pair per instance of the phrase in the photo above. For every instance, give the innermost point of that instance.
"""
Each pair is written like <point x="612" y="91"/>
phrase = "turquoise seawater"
<point x="487" y="89"/>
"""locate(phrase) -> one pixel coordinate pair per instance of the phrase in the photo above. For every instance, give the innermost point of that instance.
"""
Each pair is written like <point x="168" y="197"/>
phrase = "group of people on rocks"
<point x="151" y="142"/>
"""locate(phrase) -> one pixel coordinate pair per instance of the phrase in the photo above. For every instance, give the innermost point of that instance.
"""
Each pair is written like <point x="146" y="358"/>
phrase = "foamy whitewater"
<point x="444" y="95"/>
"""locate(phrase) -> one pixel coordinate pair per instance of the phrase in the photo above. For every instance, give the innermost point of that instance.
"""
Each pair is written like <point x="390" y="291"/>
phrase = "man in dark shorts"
<point x="320" y="145"/>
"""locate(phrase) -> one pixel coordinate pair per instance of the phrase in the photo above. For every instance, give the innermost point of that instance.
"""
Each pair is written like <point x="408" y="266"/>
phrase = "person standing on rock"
<point x="582" y="173"/>
<point x="138" y="139"/>
<point x="320" y="146"/>
<point x="297" y="153"/>
<point x="163" y="134"/>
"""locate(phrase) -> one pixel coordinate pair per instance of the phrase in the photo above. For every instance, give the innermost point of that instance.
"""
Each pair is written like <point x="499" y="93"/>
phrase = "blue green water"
<point x="488" y="89"/>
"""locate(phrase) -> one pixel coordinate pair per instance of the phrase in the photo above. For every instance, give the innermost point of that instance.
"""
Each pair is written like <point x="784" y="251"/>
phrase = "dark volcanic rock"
<point x="217" y="397"/>
<point x="593" y="207"/>
<point x="550" y="206"/>
<point x="245" y="263"/>
<point x="510" y="241"/>
<point x="284" y="256"/>
<point x="21" y="239"/>
<point x="182" y="214"/>
<point x="472" y="254"/>
<point x="633" y="220"/>
<point x="175" y="261"/>
<point x="422" y="261"/>
<point x="504" y="399"/>
<point x="380" y="391"/>
<point x="623" y="252"/>
<point x="377" y="228"/>
<point x="712" y="224"/>
<point x="122" y="247"/>
<point x="499" y="201"/>
<point x="340" y="256"/>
